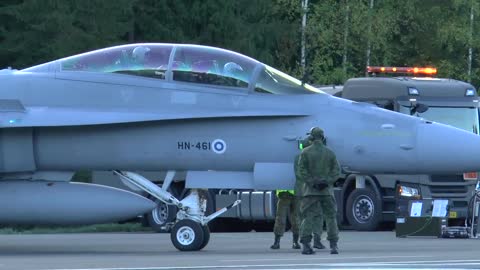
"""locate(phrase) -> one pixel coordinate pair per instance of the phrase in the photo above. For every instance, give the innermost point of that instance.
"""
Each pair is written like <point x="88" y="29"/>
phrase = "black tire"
<point x="364" y="210"/>
<point x="188" y="235"/>
<point x="161" y="215"/>
<point x="206" y="237"/>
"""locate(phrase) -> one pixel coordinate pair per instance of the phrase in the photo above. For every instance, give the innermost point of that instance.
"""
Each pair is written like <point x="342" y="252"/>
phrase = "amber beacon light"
<point x="410" y="70"/>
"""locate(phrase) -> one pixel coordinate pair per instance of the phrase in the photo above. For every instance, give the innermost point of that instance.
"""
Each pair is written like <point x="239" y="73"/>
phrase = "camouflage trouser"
<point x="311" y="209"/>
<point x="318" y="228"/>
<point x="286" y="208"/>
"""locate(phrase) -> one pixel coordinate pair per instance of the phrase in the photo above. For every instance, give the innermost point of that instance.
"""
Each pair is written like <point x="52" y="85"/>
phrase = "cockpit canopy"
<point x="189" y="63"/>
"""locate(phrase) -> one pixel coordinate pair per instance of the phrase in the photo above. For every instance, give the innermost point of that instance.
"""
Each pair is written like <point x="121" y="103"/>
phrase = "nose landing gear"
<point x="189" y="230"/>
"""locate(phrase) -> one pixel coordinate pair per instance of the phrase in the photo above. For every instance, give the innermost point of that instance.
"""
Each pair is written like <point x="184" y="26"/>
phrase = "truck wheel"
<point x="161" y="215"/>
<point x="188" y="235"/>
<point x="364" y="210"/>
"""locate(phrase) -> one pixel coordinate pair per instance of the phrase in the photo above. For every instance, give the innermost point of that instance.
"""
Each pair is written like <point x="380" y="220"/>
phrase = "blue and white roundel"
<point x="219" y="146"/>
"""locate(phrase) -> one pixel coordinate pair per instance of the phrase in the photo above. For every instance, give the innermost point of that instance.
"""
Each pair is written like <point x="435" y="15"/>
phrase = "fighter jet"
<point x="227" y="120"/>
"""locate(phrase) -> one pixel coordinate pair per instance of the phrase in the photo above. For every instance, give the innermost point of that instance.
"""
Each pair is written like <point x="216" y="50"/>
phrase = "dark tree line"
<point x="400" y="33"/>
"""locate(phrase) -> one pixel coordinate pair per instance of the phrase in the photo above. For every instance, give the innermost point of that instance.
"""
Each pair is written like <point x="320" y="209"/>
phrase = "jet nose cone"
<point x="447" y="149"/>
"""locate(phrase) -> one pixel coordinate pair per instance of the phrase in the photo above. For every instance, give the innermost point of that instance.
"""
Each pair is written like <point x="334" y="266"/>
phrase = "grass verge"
<point x="101" y="228"/>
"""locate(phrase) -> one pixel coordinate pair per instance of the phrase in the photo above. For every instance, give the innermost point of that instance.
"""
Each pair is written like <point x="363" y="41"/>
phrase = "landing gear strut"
<point x="189" y="231"/>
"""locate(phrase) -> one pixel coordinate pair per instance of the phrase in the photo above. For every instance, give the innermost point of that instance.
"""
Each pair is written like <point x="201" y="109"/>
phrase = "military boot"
<point x="317" y="242"/>
<point x="276" y="244"/>
<point x="307" y="249"/>
<point x="295" y="244"/>
<point x="333" y="247"/>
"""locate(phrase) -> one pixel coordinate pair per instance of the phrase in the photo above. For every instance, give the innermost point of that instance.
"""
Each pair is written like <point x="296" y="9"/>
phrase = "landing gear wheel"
<point x="188" y="235"/>
<point x="206" y="236"/>
<point x="364" y="210"/>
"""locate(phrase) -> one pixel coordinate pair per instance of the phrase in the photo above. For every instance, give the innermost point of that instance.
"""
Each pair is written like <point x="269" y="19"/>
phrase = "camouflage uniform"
<point x="286" y="208"/>
<point x="318" y="169"/>
<point x="318" y="219"/>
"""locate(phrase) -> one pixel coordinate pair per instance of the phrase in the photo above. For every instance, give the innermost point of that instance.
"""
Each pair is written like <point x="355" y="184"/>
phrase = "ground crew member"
<point x="318" y="229"/>
<point x="286" y="208"/>
<point x="318" y="169"/>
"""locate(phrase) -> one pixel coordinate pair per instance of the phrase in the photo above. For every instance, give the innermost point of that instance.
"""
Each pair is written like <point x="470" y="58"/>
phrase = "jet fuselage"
<point x="73" y="123"/>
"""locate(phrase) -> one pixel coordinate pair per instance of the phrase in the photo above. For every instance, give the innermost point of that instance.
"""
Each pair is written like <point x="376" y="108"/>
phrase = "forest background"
<point x="338" y="33"/>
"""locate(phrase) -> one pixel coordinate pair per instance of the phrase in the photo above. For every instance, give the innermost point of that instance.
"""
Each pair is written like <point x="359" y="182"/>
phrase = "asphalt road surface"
<point x="149" y="251"/>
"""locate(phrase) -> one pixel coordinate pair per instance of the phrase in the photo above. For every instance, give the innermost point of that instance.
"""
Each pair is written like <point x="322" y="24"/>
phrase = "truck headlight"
<point x="411" y="192"/>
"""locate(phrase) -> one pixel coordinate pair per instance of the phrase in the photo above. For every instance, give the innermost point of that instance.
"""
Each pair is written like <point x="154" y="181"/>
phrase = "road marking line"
<point x="330" y="258"/>
<point x="371" y="264"/>
<point x="427" y="262"/>
<point x="383" y="268"/>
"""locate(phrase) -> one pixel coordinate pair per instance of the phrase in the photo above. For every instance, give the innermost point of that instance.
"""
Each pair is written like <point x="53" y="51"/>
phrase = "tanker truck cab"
<point x="366" y="201"/>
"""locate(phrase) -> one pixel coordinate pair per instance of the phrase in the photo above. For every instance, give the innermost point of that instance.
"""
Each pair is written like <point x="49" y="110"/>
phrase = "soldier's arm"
<point x="334" y="170"/>
<point x="303" y="170"/>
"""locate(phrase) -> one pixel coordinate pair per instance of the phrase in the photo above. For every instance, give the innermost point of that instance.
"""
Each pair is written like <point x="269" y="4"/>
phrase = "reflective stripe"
<point x="285" y="190"/>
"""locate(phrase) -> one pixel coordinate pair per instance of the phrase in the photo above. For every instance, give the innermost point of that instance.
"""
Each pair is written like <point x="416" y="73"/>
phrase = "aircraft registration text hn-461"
<point x="225" y="119"/>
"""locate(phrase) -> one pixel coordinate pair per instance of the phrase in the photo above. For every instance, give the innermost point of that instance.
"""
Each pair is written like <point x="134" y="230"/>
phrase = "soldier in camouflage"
<point x="286" y="208"/>
<point x="318" y="169"/>
<point x="318" y="228"/>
